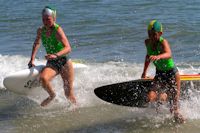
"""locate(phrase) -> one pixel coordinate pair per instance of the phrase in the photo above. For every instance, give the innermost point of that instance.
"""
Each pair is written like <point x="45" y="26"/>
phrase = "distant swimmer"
<point x="58" y="49"/>
<point x="166" y="83"/>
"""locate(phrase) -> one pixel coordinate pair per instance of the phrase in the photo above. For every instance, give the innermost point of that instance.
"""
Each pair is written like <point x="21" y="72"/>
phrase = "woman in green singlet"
<point x="166" y="83"/>
<point x="57" y="48"/>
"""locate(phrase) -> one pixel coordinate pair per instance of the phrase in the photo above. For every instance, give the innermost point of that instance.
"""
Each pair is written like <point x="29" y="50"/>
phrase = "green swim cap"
<point x="155" y="26"/>
<point x="49" y="11"/>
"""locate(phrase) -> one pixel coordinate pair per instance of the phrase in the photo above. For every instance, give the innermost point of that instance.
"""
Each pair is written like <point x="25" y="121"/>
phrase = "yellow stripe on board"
<point x="185" y="77"/>
<point x="190" y="77"/>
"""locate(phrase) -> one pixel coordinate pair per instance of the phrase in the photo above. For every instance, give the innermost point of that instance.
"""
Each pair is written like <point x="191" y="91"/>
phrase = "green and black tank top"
<point x="162" y="64"/>
<point x="51" y="44"/>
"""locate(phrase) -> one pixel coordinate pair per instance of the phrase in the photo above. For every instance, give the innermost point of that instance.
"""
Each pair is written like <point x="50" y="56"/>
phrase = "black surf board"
<point x="134" y="93"/>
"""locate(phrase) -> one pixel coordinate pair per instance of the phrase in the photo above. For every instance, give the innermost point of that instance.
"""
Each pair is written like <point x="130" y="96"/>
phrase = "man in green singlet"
<point x="166" y="83"/>
<point x="57" y="48"/>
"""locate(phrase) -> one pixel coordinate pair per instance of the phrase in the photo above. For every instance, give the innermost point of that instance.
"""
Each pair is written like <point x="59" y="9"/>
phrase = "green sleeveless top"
<point x="51" y="44"/>
<point x="162" y="64"/>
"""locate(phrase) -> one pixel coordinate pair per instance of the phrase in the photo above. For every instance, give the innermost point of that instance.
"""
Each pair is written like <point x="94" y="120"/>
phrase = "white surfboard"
<point x="24" y="81"/>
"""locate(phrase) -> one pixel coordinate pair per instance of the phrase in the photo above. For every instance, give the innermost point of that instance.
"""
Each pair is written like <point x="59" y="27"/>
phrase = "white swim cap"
<point x="49" y="11"/>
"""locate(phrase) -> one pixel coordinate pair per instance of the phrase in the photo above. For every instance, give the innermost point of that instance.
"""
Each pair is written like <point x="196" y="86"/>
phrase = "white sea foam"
<point x="95" y="75"/>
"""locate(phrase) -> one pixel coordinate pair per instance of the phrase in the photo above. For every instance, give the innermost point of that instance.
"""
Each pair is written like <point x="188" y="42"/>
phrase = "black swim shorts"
<point x="57" y="63"/>
<point x="166" y="80"/>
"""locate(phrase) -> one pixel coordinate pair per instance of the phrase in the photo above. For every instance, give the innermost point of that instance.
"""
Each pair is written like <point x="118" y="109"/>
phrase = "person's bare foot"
<point x="179" y="118"/>
<point x="72" y="99"/>
<point x="163" y="97"/>
<point x="47" y="100"/>
<point x="70" y="96"/>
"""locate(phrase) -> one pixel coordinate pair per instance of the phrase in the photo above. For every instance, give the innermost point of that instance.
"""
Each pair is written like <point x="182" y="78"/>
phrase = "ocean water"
<point x="108" y="36"/>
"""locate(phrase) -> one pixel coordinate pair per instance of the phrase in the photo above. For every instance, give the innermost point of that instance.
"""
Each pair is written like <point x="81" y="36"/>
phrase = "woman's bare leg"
<point x="67" y="75"/>
<point x="45" y="77"/>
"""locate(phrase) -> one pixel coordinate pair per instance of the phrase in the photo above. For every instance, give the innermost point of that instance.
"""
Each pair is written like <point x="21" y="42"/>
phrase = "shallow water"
<point x="108" y="36"/>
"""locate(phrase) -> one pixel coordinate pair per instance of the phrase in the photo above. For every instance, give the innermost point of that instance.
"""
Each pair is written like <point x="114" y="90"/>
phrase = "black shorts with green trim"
<point x="58" y="63"/>
<point x="166" y="80"/>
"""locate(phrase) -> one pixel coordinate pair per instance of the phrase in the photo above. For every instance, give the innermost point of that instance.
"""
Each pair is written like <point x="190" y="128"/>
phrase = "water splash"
<point x="95" y="75"/>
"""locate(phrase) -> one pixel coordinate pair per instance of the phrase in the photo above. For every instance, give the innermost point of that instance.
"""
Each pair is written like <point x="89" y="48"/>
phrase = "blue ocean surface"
<point x="107" y="36"/>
